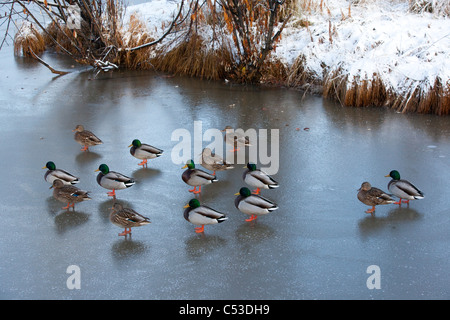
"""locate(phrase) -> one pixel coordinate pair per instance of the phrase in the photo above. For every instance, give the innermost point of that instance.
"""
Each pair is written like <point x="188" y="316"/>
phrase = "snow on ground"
<point x="376" y="37"/>
<point x="380" y="37"/>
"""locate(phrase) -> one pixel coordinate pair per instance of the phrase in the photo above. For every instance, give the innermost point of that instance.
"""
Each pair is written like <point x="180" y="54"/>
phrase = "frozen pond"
<point x="319" y="244"/>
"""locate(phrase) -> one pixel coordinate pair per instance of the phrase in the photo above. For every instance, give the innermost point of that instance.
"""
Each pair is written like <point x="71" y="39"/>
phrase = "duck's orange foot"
<point x="192" y="190"/>
<point x="112" y="194"/>
<point x="125" y="232"/>
<point x="198" y="191"/>
<point x="68" y="206"/>
<point x="252" y="217"/>
<point x="257" y="191"/>
<point x="143" y="163"/>
<point x="405" y="201"/>
<point x="85" y="148"/>
<point x="371" y="211"/>
<point x="200" y="229"/>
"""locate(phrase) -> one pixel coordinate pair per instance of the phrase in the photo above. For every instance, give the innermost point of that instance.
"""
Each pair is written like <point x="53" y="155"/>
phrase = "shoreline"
<point x="374" y="53"/>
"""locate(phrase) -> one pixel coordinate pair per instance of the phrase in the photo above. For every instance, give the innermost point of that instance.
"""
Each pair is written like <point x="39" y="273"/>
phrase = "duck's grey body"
<point x="197" y="177"/>
<point x="145" y="151"/>
<point x="66" y="177"/>
<point x="203" y="215"/>
<point x="259" y="179"/>
<point x="404" y="189"/>
<point x="114" y="180"/>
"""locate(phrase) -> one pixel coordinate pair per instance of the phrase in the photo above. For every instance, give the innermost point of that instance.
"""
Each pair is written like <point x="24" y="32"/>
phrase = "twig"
<point x="162" y="37"/>
<point x="46" y="64"/>
<point x="7" y="26"/>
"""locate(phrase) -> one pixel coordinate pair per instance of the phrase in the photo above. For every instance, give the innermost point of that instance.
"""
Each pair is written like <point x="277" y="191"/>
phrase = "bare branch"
<point x="174" y="21"/>
<point x="46" y="64"/>
<point x="7" y="26"/>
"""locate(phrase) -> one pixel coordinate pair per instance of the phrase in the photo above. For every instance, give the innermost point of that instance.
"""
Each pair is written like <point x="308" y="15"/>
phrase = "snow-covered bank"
<point x="369" y="41"/>
<point x="376" y="39"/>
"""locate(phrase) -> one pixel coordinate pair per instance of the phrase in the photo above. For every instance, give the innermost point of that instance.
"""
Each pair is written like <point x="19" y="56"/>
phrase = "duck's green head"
<point x="245" y="192"/>
<point x="194" y="203"/>
<point x="394" y="174"/>
<point x="103" y="168"/>
<point x="189" y="164"/>
<point x="251" y="166"/>
<point x="136" y="143"/>
<point x="50" y="166"/>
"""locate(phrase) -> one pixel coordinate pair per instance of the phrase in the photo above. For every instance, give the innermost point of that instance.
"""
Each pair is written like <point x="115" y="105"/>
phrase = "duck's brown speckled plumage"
<point x="68" y="194"/>
<point x="85" y="137"/>
<point x="126" y="218"/>
<point x="372" y="196"/>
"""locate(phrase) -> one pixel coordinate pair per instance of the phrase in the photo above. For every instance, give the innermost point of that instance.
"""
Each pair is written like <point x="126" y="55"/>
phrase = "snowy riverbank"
<point x="369" y="41"/>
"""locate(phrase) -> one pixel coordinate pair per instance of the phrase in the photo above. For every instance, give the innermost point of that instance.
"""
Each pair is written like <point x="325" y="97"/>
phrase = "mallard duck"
<point x="252" y="204"/>
<point x="403" y="189"/>
<point x="52" y="174"/>
<point x="257" y="178"/>
<point x="126" y="218"/>
<point x="372" y="196"/>
<point x="202" y="215"/>
<point x="85" y="138"/>
<point x="235" y="138"/>
<point x="144" y="151"/>
<point x="214" y="162"/>
<point x="112" y="180"/>
<point x="68" y="193"/>
<point x="196" y="177"/>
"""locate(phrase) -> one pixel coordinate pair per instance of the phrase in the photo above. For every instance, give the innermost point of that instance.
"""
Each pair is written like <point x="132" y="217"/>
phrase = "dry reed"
<point x="28" y="40"/>
<point x="135" y="35"/>
<point x="192" y="58"/>
<point x="274" y="72"/>
<point x="418" y="98"/>
<point x="62" y="34"/>
<point x="437" y="7"/>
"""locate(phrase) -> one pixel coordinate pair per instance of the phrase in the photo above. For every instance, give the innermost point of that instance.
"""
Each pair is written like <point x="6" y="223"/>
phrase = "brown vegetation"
<point x="364" y="93"/>
<point x="191" y="58"/>
<point x="28" y="40"/>
<point x="254" y="28"/>
<point x="136" y="35"/>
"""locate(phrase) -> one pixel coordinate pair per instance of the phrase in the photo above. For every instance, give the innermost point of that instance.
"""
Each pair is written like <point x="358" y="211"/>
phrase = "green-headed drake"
<point x="53" y="173"/>
<point x="144" y="152"/>
<point x="214" y="162"/>
<point x="372" y="196"/>
<point x="112" y="180"/>
<point x="252" y="204"/>
<point x="85" y="138"/>
<point x="257" y="178"/>
<point x="196" y="177"/>
<point x="126" y="218"/>
<point x="202" y="215"/>
<point x="403" y="189"/>
<point x="68" y="194"/>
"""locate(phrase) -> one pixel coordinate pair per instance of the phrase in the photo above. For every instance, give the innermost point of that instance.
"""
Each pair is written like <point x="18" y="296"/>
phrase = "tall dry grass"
<point x="134" y="35"/>
<point x="437" y="7"/>
<point x="192" y="58"/>
<point x="417" y="98"/>
<point x="435" y="99"/>
<point x="63" y="35"/>
<point x="28" y="40"/>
